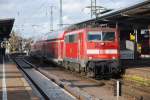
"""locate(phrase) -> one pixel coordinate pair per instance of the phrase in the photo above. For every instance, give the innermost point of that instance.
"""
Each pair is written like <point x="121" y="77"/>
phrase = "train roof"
<point x="54" y="35"/>
<point x="59" y="34"/>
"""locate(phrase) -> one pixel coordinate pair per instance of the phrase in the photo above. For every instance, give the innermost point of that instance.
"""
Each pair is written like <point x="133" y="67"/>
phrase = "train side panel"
<point x="74" y="46"/>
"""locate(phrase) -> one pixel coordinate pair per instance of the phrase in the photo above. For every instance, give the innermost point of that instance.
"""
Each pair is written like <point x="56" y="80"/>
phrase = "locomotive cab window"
<point x="108" y="36"/>
<point x="71" y="38"/>
<point x="101" y="36"/>
<point x="94" y="36"/>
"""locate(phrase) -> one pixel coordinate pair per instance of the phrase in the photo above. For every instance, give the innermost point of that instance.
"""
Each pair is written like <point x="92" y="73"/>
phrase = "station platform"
<point x="13" y="85"/>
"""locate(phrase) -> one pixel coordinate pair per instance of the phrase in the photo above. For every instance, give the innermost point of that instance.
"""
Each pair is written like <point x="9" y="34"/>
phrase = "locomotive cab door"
<point x="71" y="47"/>
<point x="80" y="46"/>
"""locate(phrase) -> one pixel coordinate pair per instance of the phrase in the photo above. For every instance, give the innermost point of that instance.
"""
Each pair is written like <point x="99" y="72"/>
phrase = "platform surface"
<point x="13" y="85"/>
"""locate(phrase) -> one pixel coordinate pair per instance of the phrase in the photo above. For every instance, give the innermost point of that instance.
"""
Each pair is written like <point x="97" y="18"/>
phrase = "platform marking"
<point x="4" y="82"/>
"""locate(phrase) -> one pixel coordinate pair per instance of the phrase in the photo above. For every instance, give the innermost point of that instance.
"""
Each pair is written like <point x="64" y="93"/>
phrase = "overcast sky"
<point x="32" y="17"/>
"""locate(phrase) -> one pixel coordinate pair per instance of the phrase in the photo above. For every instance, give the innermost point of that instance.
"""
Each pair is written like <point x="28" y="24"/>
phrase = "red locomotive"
<point x="91" y="50"/>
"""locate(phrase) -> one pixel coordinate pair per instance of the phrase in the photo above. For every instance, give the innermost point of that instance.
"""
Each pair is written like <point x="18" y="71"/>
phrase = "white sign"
<point x="126" y="54"/>
<point x="130" y="45"/>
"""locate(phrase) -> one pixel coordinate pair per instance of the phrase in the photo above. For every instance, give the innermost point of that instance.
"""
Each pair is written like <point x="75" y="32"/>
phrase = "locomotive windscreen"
<point x="94" y="36"/>
<point x="108" y="36"/>
<point x="101" y="36"/>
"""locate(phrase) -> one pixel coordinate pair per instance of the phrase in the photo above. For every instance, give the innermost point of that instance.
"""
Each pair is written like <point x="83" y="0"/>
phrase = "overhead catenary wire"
<point x="51" y="18"/>
<point x="61" y="20"/>
<point x="33" y="14"/>
<point x="37" y="10"/>
<point x="41" y="6"/>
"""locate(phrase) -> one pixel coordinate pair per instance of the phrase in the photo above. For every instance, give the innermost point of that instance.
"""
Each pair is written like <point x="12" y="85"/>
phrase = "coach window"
<point x="73" y="38"/>
<point x="67" y="39"/>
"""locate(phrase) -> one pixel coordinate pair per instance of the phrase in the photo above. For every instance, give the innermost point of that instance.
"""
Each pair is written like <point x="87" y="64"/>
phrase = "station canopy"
<point x="5" y="28"/>
<point x="136" y="16"/>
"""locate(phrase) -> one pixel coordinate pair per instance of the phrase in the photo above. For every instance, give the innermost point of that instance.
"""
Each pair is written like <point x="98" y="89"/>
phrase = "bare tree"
<point x="15" y="42"/>
<point x="18" y="44"/>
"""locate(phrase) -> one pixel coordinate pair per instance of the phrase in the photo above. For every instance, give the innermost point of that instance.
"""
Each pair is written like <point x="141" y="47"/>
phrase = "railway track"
<point x="142" y="73"/>
<point x="97" y="80"/>
<point x="109" y="82"/>
<point x="141" y="91"/>
<point x="100" y="85"/>
<point x="58" y="76"/>
<point x="54" y="91"/>
<point x="143" y="69"/>
<point x="80" y="95"/>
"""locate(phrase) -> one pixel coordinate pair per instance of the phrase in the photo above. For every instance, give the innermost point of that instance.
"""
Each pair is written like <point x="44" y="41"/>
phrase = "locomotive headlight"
<point x="102" y="43"/>
<point x="113" y="57"/>
<point x="90" y="58"/>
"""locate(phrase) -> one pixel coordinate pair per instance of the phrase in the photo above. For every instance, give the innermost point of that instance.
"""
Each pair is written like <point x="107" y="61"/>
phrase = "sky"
<point x="32" y="17"/>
